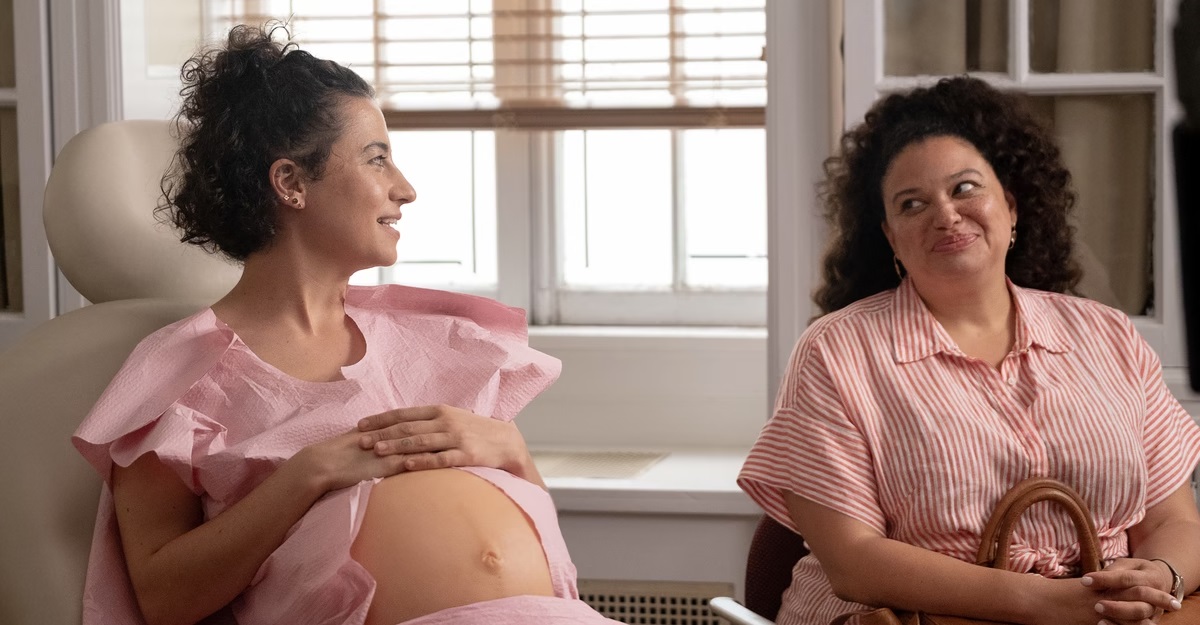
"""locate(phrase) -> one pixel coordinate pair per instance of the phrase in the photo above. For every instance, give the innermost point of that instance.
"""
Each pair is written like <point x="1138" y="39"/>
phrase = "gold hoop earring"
<point x="898" y="267"/>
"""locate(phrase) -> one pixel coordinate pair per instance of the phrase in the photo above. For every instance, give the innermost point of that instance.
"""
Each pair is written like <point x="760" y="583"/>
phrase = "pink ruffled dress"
<point x="223" y="420"/>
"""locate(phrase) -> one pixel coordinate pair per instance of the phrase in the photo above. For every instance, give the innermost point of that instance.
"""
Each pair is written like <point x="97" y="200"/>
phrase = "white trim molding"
<point x="800" y="45"/>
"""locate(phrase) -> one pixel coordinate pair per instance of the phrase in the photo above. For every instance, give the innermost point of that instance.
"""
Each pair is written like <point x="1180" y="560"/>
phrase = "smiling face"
<point x="946" y="215"/>
<point x="349" y="215"/>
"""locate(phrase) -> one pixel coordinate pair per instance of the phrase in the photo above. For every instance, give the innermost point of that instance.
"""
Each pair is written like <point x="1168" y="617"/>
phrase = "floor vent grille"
<point x="654" y="603"/>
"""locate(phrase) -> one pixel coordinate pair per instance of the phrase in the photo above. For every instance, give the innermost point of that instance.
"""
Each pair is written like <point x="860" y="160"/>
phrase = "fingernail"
<point x="362" y="424"/>
<point x="381" y="446"/>
<point x="1176" y="604"/>
<point x="1086" y="581"/>
<point x="1100" y="608"/>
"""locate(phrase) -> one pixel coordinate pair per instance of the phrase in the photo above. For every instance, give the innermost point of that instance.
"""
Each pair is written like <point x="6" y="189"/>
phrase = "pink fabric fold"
<point x="223" y="420"/>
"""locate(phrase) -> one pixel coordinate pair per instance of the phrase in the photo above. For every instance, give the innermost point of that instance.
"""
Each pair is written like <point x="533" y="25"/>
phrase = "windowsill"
<point x="583" y="333"/>
<point x="694" y="482"/>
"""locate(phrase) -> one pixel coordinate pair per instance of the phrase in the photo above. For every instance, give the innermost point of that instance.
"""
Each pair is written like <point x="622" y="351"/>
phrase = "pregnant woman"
<point x="306" y="451"/>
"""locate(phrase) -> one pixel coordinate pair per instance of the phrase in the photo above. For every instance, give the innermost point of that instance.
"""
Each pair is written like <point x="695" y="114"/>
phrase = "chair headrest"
<point x="99" y="217"/>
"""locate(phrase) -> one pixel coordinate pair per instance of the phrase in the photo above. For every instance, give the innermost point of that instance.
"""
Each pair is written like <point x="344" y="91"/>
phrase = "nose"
<point x="402" y="192"/>
<point x="946" y="213"/>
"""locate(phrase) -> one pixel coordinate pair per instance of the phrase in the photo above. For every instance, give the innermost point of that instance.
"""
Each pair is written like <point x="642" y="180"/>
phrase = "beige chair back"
<point x="99" y="219"/>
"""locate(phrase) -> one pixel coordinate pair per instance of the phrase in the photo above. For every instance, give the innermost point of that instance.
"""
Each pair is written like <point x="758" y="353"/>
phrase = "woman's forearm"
<point x="200" y="571"/>
<point x="885" y="572"/>
<point x="865" y="567"/>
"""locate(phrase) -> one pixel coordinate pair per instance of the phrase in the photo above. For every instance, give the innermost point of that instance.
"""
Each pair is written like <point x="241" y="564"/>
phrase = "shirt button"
<point x="1012" y="381"/>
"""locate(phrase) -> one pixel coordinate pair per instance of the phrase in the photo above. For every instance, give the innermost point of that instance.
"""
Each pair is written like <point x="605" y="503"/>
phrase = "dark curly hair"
<point x="858" y="261"/>
<point x="247" y="104"/>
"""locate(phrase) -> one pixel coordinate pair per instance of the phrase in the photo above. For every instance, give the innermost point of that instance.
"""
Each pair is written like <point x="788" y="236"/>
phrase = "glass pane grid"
<point x="618" y="204"/>
<point x="447" y="237"/>
<point x="1099" y="36"/>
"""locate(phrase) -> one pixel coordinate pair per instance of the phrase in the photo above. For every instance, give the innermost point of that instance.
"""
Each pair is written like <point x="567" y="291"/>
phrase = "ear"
<point x="1012" y="207"/>
<point x="287" y="183"/>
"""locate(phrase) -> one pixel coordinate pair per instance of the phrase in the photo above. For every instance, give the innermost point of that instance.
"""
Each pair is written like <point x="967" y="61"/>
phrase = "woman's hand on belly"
<point x="435" y="437"/>
<point x="341" y="461"/>
<point x="445" y="538"/>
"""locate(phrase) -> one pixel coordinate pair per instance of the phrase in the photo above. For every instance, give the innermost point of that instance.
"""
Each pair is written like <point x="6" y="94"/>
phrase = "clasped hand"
<point x="1132" y="591"/>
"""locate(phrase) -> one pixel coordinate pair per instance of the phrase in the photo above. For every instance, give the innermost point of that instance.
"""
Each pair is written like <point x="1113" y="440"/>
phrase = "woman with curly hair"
<point x="950" y="364"/>
<point x="306" y="451"/>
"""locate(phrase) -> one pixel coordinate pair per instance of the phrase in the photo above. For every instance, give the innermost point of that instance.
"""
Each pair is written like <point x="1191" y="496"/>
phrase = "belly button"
<point x="492" y="561"/>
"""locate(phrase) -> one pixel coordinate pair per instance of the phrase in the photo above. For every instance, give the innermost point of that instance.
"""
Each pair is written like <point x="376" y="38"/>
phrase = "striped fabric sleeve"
<point x="812" y="448"/>
<point x="1171" y="437"/>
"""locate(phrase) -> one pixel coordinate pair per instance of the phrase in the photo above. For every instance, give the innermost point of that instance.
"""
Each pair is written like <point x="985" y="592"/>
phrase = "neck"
<point x="983" y="305"/>
<point x="281" y="288"/>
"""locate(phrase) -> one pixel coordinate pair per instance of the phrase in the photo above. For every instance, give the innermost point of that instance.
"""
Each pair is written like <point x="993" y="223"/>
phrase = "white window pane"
<point x="945" y="36"/>
<point x="447" y="237"/>
<point x="616" y="95"/>
<point x="314" y="30"/>
<point x="324" y="7"/>
<point x="1119" y="36"/>
<point x="727" y="47"/>
<point x="725" y="207"/>
<point x="343" y="53"/>
<point x="1107" y="143"/>
<point x="420" y="7"/>
<point x="617" y="208"/>
<point x="600" y="6"/>
<point x="723" y="4"/>
<point x="624" y="24"/>
<point x="454" y="28"/>
<point x="717" y="22"/>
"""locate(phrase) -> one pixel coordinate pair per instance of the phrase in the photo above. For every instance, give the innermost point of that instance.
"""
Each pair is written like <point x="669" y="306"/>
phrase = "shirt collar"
<point x="916" y="334"/>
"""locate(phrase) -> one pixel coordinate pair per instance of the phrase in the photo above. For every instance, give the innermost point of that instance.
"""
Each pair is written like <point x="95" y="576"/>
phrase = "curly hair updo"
<point x="247" y="104"/>
<point x="858" y="262"/>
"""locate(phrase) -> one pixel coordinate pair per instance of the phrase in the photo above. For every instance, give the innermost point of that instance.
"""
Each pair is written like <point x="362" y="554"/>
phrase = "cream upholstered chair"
<point x="99" y="221"/>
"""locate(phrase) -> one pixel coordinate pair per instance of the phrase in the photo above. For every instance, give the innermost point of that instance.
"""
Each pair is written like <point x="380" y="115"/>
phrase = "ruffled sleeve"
<point x="130" y="418"/>
<point x="134" y="416"/>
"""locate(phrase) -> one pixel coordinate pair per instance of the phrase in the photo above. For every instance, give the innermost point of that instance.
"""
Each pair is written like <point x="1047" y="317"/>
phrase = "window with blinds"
<point x="538" y="63"/>
<point x="620" y="115"/>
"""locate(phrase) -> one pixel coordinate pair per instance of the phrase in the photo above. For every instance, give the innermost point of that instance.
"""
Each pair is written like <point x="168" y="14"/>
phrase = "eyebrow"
<point x="954" y="176"/>
<point x="376" y="144"/>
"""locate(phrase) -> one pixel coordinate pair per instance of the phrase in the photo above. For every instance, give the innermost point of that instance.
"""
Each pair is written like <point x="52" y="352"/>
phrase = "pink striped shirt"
<point x="881" y="417"/>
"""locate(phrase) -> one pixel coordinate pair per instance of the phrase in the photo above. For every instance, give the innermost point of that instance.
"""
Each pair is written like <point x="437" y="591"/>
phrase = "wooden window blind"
<point x="538" y="64"/>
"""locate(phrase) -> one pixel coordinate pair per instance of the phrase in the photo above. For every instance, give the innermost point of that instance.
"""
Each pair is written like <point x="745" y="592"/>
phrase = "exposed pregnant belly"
<point x="444" y="538"/>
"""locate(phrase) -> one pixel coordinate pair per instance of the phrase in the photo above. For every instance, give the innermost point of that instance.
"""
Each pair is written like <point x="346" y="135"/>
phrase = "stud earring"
<point x="898" y="267"/>
<point x="1012" y="239"/>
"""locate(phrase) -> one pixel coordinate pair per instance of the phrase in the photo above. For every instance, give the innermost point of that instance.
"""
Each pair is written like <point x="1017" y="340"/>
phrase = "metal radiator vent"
<point x="654" y="603"/>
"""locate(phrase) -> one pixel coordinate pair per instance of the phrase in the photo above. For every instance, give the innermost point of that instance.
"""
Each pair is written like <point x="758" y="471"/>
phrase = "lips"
<point x="954" y="242"/>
